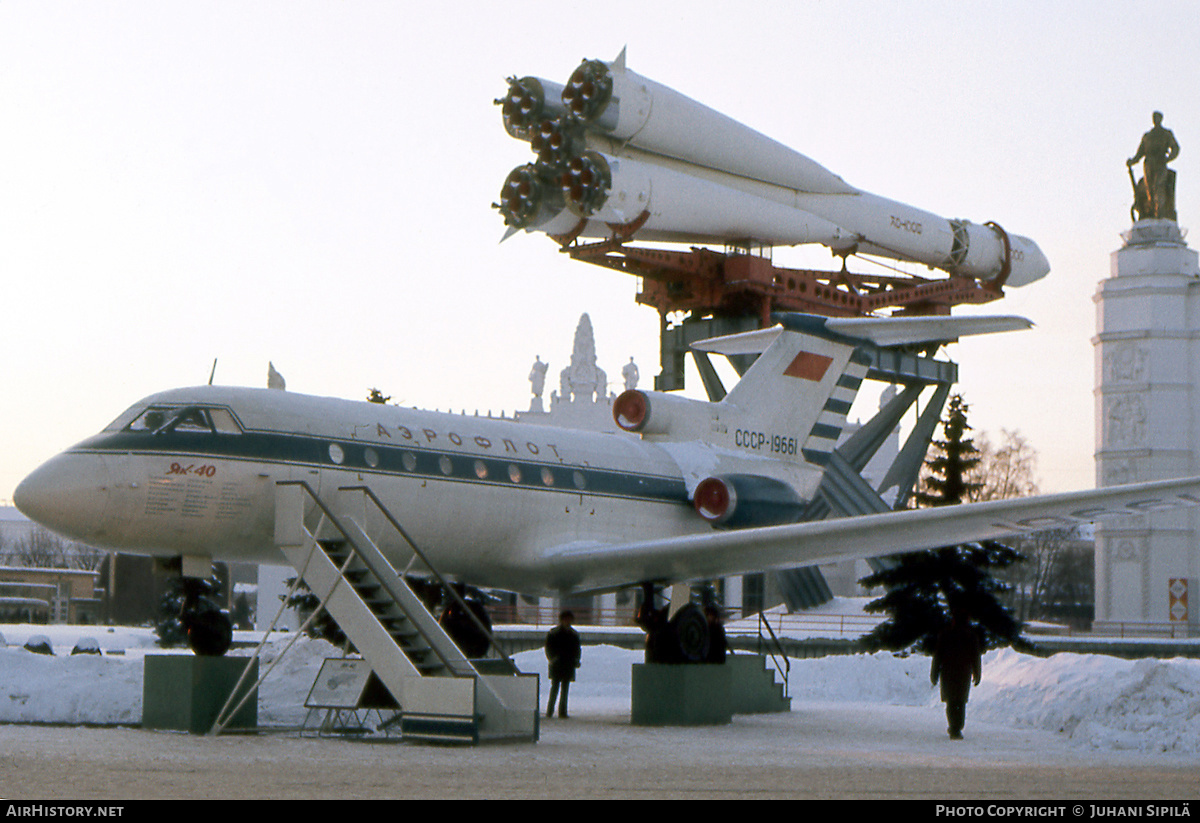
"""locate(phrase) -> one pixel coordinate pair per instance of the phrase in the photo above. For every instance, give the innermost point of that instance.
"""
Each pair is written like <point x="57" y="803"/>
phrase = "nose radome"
<point x="67" y="494"/>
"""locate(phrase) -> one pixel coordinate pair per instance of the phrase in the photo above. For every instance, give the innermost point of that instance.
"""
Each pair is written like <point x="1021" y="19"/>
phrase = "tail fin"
<point x="794" y="399"/>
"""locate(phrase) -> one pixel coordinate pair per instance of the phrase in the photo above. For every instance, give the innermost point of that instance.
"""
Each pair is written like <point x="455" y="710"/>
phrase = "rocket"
<point x="618" y="153"/>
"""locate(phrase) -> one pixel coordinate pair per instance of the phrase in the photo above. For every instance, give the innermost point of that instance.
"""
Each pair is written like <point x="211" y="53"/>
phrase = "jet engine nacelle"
<point x="653" y="412"/>
<point x="740" y="500"/>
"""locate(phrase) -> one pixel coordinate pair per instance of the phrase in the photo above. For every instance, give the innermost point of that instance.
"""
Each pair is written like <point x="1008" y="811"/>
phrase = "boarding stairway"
<point x="442" y="696"/>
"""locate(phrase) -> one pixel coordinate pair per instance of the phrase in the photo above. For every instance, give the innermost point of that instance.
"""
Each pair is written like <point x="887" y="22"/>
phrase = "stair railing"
<point x="226" y="714"/>
<point x="446" y="586"/>
<point x="480" y="681"/>
<point x="451" y="665"/>
<point x="774" y="651"/>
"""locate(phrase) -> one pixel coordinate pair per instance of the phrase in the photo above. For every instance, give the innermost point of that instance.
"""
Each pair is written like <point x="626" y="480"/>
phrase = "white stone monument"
<point x="1148" y="425"/>
<point x="582" y="400"/>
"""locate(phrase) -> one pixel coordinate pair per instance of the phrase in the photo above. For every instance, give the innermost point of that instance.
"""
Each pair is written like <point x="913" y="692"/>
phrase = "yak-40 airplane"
<point x="707" y="489"/>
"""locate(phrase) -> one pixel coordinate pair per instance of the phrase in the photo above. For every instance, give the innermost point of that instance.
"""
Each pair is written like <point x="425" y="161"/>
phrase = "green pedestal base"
<point x="184" y="692"/>
<point x="753" y="689"/>
<point x="680" y="695"/>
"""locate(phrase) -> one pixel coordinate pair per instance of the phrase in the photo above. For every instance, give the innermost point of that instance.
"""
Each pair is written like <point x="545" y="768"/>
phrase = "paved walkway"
<point x="819" y="750"/>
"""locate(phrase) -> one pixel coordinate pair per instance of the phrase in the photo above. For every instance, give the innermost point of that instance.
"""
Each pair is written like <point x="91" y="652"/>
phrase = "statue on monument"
<point x="1154" y="194"/>
<point x="537" y="381"/>
<point x="630" y="374"/>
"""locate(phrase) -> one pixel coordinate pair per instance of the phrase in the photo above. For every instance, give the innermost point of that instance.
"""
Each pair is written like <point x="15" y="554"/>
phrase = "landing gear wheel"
<point x="210" y="632"/>
<point x="691" y="633"/>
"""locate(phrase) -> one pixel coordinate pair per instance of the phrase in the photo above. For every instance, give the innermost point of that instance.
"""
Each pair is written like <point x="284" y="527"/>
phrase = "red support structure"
<point x="705" y="282"/>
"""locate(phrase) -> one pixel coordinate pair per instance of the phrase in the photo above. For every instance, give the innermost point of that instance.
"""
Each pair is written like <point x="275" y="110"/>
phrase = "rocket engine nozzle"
<point x="555" y="140"/>
<point x="527" y="197"/>
<point x="527" y="103"/>
<point x="586" y="182"/>
<point x="589" y="90"/>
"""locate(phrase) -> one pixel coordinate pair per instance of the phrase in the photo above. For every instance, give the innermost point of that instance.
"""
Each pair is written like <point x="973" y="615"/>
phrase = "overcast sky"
<point x="311" y="183"/>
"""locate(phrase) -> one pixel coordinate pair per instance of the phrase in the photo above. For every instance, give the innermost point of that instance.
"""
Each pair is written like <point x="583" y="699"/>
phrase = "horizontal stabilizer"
<point x="882" y="331"/>
<point x="750" y="342"/>
<point x="896" y="331"/>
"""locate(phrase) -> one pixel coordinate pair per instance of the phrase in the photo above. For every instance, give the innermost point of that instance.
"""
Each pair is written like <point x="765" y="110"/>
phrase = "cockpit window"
<point x="223" y="422"/>
<point x="151" y="420"/>
<point x="195" y="419"/>
<point x="189" y="420"/>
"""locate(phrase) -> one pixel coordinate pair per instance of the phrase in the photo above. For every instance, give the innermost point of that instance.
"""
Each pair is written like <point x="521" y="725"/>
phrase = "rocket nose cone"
<point x="1029" y="263"/>
<point x="67" y="494"/>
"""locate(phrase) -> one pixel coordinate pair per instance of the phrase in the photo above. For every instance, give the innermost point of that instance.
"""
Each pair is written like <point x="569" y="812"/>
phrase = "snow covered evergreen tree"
<point x="922" y="588"/>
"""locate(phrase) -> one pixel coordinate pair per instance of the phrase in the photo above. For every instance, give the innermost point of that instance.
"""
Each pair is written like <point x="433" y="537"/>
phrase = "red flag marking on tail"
<point x="808" y="366"/>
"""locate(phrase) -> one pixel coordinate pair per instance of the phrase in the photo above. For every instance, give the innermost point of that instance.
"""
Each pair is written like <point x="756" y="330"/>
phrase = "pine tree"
<point x="323" y="626"/>
<point x="946" y="483"/>
<point x="923" y="588"/>
<point x="170" y="627"/>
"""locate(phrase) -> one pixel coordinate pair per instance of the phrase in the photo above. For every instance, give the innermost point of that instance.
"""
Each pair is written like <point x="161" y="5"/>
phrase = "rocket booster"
<point x="614" y="147"/>
<point x="633" y="109"/>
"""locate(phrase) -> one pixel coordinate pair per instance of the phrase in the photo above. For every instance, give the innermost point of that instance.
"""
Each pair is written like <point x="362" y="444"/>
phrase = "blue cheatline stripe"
<point x="380" y="459"/>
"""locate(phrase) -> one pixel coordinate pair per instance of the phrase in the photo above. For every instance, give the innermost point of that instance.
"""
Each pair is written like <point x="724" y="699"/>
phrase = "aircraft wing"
<point x="724" y="553"/>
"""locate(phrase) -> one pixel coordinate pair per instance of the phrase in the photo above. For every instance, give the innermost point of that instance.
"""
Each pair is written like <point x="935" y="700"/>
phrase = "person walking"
<point x="957" y="661"/>
<point x="563" y="651"/>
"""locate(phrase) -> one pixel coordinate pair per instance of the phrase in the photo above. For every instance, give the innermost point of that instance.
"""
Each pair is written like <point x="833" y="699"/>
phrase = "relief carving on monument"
<point x="1126" y="549"/>
<point x="1120" y="471"/>
<point x="1126" y="363"/>
<point x="1125" y="420"/>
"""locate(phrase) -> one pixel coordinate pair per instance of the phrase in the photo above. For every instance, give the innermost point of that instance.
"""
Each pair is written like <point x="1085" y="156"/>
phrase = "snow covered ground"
<point x="1092" y="702"/>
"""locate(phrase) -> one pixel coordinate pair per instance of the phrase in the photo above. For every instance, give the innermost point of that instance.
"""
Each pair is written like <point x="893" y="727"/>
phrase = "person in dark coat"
<point x="563" y="651"/>
<point x="717" y="644"/>
<point x="956" y="663"/>
<point x="662" y="646"/>
<point x="464" y="631"/>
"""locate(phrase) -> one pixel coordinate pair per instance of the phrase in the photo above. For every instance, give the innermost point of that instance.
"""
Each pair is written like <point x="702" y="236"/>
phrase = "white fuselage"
<point x="484" y="499"/>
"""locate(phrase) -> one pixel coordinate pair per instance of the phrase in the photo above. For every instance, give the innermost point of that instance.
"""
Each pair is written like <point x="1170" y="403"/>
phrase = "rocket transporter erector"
<point x="615" y="149"/>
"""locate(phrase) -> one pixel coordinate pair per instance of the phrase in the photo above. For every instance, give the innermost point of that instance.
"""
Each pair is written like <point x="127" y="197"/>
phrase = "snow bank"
<point x="863" y="678"/>
<point x="82" y="688"/>
<point x="107" y="690"/>
<point x="1096" y="701"/>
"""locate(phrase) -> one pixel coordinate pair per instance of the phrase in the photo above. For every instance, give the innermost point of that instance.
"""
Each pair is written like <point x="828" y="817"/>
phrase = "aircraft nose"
<point x="67" y="494"/>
